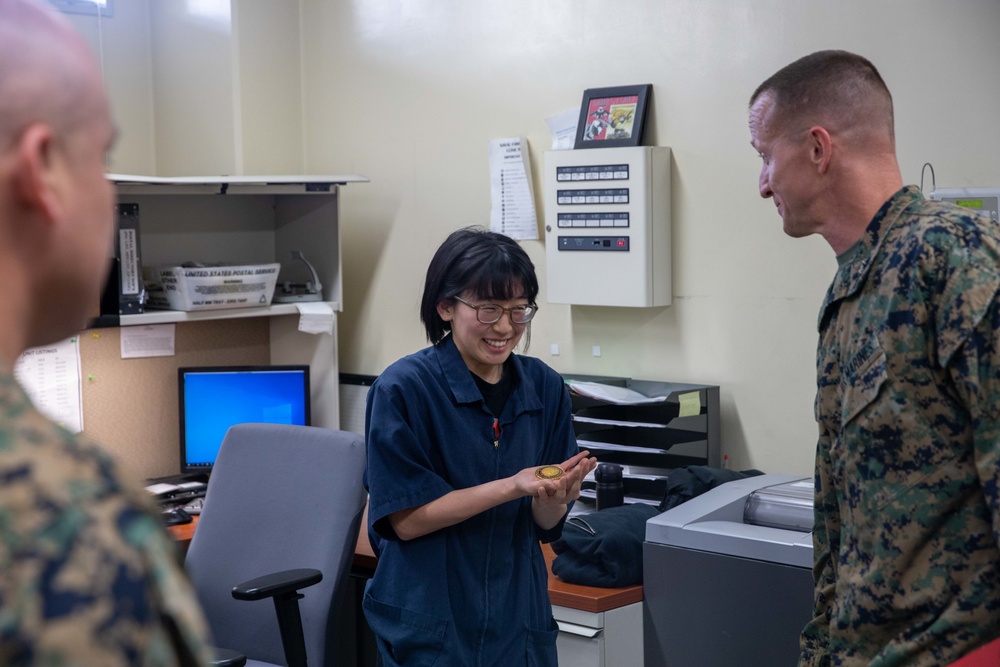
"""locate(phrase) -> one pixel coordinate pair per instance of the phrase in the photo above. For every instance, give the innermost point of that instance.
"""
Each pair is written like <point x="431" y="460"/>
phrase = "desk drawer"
<point x="581" y="651"/>
<point x="611" y="638"/>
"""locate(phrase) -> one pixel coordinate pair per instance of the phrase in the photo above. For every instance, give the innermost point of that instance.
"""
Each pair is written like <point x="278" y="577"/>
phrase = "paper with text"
<point x="513" y="203"/>
<point x="690" y="404"/>
<point x="151" y="340"/>
<point x="51" y="376"/>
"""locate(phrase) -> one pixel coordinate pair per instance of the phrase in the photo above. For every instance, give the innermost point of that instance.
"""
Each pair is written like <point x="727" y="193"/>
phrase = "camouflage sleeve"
<point x="183" y="633"/>
<point x="89" y="575"/>
<point x="84" y="597"/>
<point x="826" y="539"/>
<point x="971" y="349"/>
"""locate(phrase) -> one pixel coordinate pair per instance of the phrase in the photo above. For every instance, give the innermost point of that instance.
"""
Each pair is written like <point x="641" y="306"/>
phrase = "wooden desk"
<point x="585" y="598"/>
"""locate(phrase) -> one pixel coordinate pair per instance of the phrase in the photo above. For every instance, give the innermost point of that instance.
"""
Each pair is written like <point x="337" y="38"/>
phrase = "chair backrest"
<point x="279" y="497"/>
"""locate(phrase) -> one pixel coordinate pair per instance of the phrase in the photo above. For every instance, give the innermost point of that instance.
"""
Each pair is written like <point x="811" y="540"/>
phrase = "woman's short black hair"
<point x="489" y="265"/>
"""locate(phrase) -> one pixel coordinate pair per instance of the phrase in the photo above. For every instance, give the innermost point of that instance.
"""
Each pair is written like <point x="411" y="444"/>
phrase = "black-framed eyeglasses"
<point x="490" y="313"/>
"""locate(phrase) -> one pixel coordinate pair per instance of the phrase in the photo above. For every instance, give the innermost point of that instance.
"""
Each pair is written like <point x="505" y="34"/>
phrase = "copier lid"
<point x="788" y="505"/>
<point x="714" y="522"/>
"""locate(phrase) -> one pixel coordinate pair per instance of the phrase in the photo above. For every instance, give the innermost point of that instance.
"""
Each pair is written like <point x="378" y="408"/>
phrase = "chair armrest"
<point x="277" y="583"/>
<point x="223" y="657"/>
<point x="283" y="589"/>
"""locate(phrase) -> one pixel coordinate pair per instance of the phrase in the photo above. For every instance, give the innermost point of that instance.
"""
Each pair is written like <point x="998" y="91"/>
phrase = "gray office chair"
<point x="279" y="498"/>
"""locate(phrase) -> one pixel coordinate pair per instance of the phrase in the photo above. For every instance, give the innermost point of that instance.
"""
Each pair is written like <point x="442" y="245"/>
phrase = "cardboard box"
<point x="214" y="287"/>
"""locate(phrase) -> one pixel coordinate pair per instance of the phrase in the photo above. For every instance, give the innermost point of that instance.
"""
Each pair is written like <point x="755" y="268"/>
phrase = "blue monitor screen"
<point x="214" y="398"/>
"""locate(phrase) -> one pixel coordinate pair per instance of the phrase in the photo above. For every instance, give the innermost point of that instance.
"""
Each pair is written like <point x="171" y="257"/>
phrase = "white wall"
<point x="409" y="92"/>
<point x="269" y="65"/>
<point x="122" y="42"/>
<point x="202" y="87"/>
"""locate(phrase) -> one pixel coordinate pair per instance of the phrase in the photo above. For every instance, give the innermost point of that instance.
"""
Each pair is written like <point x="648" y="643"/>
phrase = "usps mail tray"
<point x="215" y="287"/>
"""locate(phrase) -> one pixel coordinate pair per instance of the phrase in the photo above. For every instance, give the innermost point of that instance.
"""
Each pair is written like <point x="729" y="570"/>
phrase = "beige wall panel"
<point x="196" y="117"/>
<point x="270" y="85"/>
<point x="122" y="42"/>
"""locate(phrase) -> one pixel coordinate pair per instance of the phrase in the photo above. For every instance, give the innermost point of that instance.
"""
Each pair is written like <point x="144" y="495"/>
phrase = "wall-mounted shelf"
<point x="240" y="220"/>
<point x="168" y="316"/>
<point x="233" y="184"/>
<point x="233" y="220"/>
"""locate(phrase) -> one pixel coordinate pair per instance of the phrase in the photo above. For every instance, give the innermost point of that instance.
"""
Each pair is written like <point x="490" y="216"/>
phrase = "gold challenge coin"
<point x="549" y="472"/>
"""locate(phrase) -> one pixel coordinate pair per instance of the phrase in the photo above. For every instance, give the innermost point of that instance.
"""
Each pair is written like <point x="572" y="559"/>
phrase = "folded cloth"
<point x="685" y="483"/>
<point x="603" y="548"/>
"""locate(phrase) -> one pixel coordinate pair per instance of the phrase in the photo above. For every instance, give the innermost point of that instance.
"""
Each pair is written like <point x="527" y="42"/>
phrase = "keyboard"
<point x="194" y="506"/>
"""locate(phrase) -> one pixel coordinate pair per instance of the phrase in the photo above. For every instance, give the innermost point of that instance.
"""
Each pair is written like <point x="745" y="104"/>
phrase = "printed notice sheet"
<point x="51" y="376"/>
<point x="150" y="340"/>
<point x="513" y="205"/>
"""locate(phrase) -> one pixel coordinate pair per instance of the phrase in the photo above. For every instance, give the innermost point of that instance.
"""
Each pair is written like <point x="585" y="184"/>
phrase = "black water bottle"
<point x="610" y="488"/>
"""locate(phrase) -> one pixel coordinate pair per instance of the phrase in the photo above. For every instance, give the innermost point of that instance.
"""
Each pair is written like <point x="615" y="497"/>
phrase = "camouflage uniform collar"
<point x="858" y="259"/>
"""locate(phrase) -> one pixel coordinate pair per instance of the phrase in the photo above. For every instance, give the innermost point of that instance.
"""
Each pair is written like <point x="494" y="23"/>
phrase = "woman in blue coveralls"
<point x="472" y="461"/>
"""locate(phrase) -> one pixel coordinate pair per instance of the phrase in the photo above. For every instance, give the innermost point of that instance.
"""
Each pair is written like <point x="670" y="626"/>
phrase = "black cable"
<point x="933" y="179"/>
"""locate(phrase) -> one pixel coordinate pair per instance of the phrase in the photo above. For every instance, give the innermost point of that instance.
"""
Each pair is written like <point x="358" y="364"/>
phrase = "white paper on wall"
<point x="513" y="203"/>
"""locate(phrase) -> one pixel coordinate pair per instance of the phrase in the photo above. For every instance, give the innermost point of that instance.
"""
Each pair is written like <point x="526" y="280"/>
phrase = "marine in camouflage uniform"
<point x="907" y="498"/>
<point x="88" y="574"/>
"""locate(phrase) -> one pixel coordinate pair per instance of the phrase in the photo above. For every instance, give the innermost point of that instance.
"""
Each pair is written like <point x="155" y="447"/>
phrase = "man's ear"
<point x="820" y="148"/>
<point x="35" y="175"/>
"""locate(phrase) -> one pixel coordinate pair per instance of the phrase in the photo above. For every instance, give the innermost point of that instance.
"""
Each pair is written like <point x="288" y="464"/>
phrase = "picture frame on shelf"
<point x="612" y="117"/>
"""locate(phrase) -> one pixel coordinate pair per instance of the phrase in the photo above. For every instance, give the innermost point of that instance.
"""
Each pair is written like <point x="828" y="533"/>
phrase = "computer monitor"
<point x="213" y="398"/>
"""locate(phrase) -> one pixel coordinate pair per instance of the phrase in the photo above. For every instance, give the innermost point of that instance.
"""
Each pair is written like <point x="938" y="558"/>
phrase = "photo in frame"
<point x="611" y="117"/>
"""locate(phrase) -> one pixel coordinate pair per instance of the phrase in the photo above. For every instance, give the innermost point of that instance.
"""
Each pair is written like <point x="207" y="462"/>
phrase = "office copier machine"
<point x="727" y="576"/>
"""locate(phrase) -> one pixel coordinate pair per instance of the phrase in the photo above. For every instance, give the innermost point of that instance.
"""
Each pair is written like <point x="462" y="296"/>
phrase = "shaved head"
<point x="56" y="205"/>
<point x="837" y="90"/>
<point x="47" y="73"/>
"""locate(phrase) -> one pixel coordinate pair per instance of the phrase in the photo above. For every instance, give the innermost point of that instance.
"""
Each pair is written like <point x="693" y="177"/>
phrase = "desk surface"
<point x="585" y="598"/>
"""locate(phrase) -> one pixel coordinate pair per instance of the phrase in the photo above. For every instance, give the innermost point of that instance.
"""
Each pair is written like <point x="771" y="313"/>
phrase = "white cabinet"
<point x="611" y="638"/>
<point x="607" y="226"/>
<point x="249" y="220"/>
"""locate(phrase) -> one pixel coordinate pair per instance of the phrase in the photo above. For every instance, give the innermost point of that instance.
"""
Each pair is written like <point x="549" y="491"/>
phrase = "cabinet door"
<point x="579" y="650"/>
